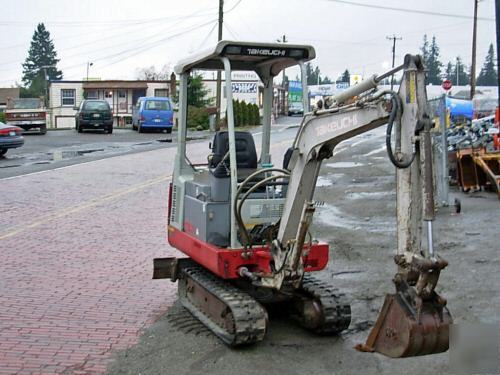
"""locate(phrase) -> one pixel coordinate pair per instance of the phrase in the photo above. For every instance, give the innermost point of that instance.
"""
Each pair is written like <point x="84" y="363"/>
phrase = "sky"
<point x="121" y="36"/>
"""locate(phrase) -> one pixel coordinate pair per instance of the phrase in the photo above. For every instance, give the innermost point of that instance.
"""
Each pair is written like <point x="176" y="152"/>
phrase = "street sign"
<point x="446" y="84"/>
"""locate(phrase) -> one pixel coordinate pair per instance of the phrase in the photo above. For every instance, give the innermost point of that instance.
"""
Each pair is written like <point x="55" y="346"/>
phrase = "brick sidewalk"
<point x="76" y="263"/>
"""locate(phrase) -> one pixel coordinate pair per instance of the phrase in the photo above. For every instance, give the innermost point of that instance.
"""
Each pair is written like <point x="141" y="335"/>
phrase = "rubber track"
<point x="249" y="317"/>
<point x="336" y="308"/>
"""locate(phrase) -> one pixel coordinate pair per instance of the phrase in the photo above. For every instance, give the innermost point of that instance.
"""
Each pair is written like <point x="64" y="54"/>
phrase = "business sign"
<point x="294" y="91"/>
<point x="244" y="87"/>
<point x="342" y="85"/>
<point x="321" y="90"/>
<point x="355" y="79"/>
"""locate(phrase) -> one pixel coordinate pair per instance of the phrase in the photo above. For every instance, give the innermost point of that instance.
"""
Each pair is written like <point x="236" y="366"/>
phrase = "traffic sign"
<point x="446" y="84"/>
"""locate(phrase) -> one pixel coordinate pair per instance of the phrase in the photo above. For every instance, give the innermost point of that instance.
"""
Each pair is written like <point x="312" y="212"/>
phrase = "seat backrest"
<point x="246" y="155"/>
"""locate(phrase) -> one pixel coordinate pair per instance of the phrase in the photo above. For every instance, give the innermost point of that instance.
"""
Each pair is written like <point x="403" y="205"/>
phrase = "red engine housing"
<point x="226" y="262"/>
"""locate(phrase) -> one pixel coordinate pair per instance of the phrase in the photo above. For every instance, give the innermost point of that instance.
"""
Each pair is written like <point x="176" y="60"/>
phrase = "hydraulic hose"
<point x="237" y="206"/>
<point x="396" y="109"/>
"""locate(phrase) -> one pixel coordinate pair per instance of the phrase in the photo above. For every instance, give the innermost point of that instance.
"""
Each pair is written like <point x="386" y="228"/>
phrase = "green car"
<point x="94" y="114"/>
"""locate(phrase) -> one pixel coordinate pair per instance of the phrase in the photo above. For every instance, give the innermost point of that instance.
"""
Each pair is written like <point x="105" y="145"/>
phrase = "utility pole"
<point x="282" y="40"/>
<point x="456" y="68"/>
<point x="45" y="79"/>
<point x="497" y="16"/>
<point x="393" y="38"/>
<point x="473" y="65"/>
<point x="218" y="88"/>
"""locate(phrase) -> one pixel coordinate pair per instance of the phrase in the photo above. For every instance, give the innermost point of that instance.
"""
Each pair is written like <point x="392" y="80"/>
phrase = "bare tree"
<point x="151" y="74"/>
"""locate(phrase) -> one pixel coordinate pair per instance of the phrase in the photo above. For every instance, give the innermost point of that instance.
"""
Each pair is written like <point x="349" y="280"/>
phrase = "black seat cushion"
<point x="246" y="155"/>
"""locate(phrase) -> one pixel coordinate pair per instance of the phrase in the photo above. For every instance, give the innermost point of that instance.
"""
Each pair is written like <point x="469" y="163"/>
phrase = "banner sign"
<point x="244" y="87"/>
<point x="294" y="91"/>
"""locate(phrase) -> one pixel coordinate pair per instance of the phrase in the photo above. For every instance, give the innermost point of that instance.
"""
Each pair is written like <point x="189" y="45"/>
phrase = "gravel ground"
<point x="357" y="219"/>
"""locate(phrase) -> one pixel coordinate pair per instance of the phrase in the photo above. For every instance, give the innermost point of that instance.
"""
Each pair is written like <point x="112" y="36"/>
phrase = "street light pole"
<point x="456" y="68"/>
<point x="89" y="64"/>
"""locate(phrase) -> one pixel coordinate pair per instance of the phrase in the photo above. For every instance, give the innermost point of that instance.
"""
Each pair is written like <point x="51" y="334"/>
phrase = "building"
<point x="8" y="93"/>
<point x="122" y="95"/>
<point x="65" y="96"/>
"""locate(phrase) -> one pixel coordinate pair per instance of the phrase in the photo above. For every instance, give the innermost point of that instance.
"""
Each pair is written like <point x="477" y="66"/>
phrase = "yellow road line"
<point x="71" y="210"/>
<point x="12" y="231"/>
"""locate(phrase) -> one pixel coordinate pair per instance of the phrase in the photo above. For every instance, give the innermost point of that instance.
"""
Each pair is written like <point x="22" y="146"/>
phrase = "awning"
<point x="105" y="85"/>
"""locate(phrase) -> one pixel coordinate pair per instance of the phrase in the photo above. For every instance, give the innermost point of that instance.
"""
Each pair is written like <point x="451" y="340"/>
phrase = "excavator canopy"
<point x="270" y="58"/>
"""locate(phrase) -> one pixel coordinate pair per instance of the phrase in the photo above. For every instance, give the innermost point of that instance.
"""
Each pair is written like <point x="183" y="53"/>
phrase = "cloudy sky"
<point x="120" y="36"/>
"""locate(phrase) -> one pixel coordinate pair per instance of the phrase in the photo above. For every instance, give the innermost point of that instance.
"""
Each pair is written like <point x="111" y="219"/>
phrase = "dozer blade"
<point x="403" y="331"/>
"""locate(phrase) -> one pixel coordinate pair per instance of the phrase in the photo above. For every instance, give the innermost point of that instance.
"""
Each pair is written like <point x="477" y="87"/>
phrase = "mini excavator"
<point x="244" y="223"/>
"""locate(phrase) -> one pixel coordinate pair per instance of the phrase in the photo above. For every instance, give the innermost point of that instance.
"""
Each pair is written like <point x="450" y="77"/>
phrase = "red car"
<point x="10" y="137"/>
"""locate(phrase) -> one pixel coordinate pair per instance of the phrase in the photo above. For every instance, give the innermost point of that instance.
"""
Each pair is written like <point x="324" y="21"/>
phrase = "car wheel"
<point x="169" y="130"/>
<point x="134" y="127"/>
<point x="110" y="129"/>
<point x="3" y="151"/>
<point x="43" y="129"/>
<point x="80" y="129"/>
<point x="140" y="129"/>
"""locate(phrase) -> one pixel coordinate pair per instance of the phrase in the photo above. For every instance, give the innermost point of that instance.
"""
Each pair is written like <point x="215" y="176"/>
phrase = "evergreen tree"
<point x="463" y="76"/>
<point x="41" y="53"/>
<point x="197" y="93"/>
<point x="314" y="75"/>
<point x="488" y="74"/>
<point x="326" y="80"/>
<point x="432" y="62"/>
<point x="345" y="77"/>
<point x="449" y="71"/>
<point x="425" y="48"/>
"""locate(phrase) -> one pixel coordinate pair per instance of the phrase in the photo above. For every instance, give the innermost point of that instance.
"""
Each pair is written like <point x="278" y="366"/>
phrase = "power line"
<point x="135" y="51"/>
<point x="415" y="11"/>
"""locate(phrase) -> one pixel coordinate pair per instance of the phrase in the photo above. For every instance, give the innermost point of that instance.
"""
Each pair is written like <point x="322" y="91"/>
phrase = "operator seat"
<point x="246" y="155"/>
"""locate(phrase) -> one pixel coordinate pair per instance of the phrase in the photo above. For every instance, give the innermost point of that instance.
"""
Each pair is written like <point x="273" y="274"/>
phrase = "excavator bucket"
<point x="414" y="321"/>
<point x="401" y="332"/>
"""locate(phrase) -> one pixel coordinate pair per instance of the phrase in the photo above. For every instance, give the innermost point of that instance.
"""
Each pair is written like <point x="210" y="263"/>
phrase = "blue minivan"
<point x="152" y="112"/>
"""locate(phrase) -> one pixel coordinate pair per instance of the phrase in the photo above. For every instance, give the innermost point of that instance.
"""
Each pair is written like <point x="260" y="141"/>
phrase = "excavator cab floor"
<point x="403" y="331"/>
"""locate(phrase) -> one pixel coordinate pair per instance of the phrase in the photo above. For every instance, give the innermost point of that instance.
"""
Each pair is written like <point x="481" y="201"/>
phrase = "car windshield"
<point x="96" y="106"/>
<point x="27" y="103"/>
<point x="159" y="105"/>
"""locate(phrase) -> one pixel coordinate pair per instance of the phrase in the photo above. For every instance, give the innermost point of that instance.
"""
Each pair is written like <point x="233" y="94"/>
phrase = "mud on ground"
<point x="357" y="219"/>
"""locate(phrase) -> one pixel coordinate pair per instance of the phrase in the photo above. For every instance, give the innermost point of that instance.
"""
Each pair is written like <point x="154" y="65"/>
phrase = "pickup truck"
<point x="27" y="113"/>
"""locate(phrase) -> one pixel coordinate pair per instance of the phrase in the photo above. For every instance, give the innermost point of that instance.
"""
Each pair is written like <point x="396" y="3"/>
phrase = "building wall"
<point x="154" y="86"/>
<point x="62" y="115"/>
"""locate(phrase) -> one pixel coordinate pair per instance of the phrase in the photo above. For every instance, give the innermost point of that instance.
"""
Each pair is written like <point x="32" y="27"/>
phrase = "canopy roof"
<point x="263" y="58"/>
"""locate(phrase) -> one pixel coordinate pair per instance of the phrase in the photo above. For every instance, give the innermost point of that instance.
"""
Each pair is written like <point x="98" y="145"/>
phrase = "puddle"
<point x="369" y="195"/>
<point x="69" y="154"/>
<point x="332" y="216"/>
<point x="323" y="181"/>
<point x="376" y="151"/>
<point x="344" y="164"/>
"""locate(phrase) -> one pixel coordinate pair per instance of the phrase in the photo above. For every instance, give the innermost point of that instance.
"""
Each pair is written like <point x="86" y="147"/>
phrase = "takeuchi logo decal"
<point x="337" y="125"/>
<point x="266" y="52"/>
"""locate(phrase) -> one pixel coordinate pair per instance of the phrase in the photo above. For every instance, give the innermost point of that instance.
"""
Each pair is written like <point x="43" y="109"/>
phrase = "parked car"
<point x="10" y="137"/>
<point x="27" y="113"/>
<point x="94" y="114"/>
<point x="152" y="112"/>
<point x="295" y="108"/>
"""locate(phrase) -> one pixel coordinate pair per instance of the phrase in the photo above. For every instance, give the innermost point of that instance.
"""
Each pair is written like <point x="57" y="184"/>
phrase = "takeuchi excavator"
<point x="244" y="223"/>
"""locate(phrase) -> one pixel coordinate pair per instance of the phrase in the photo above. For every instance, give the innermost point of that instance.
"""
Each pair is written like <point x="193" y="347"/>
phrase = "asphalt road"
<point x="61" y="148"/>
